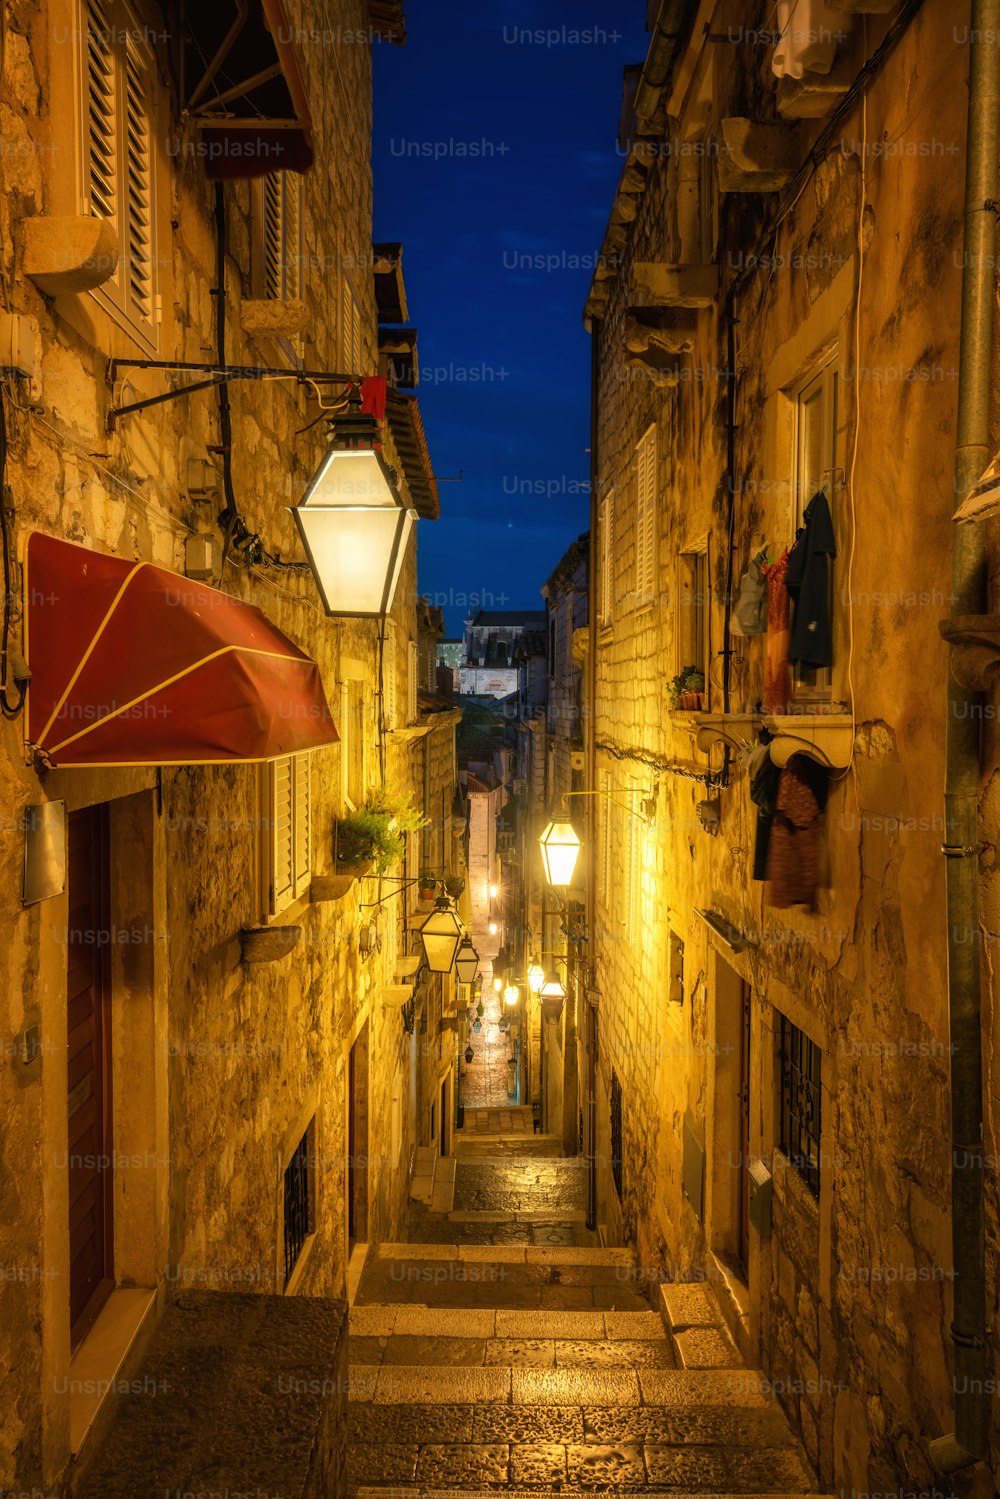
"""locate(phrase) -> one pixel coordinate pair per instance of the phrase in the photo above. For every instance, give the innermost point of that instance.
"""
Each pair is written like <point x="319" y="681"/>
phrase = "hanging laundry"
<point x="809" y="31"/>
<point x="778" y="673"/>
<point x="808" y="582"/>
<point x="749" y="616"/>
<point x="795" y="854"/>
<point x="763" y="776"/>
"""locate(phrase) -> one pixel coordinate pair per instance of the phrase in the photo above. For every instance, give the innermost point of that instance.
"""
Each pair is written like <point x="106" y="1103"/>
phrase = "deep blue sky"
<point x="490" y="148"/>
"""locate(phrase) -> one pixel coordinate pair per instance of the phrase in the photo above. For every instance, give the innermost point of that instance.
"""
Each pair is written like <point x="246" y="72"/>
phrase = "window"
<point x="616" y="1133"/>
<point x="692" y="610"/>
<point x="551" y="664"/>
<point x="800" y="1063"/>
<point x="118" y="177"/>
<point x="675" y="976"/>
<point x="412" y="663"/>
<point x="605" y="563"/>
<point x="299" y="1205"/>
<point x="815" y="466"/>
<point x="352" y="352"/>
<point x="288" y="841"/>
<point x="353" y="723"/>
<point x="645" y="520"/>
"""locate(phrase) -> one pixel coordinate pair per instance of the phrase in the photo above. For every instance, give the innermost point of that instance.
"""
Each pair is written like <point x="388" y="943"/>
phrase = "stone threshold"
<point x="107" y="1358"/>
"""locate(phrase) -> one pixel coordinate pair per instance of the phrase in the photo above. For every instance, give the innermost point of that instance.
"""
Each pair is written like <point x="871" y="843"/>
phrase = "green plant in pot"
<point x="454" y="885"/>
<point x="687" y="688"/>
<point x="427" y="884"/>
<point x="373" y="836"/>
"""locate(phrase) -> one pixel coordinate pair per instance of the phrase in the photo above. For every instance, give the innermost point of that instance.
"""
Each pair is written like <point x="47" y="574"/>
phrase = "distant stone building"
<point x="489" y="666"/>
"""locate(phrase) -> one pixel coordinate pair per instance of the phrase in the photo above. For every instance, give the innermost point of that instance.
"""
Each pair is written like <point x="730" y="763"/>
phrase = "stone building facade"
<point x="776" y="313"/>
<point x="217" y="1076"/>
<point x="489" y="662"/>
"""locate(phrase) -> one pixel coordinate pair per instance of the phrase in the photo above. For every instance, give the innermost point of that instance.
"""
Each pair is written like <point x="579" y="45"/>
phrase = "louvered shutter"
<point x="645" y="519"/>
<point x="281" y="830"/>
<point x="302" y="823"/>
<point x="139" y="186"/>
<point x="389" y="680"/>
<point x="605" y="811"/>
<point x="411" y="683"/>
<point x="271" y="236"/>
<point x="606" y="559"/>
<point x="102" y="139"/>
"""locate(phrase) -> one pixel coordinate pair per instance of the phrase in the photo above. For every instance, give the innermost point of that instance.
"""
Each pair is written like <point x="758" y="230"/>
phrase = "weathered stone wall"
<point x="848" y="1300"/>
<point x="234" y="1059"/>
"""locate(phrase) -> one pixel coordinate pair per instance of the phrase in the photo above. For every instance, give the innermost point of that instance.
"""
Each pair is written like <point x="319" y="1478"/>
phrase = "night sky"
<point x="495" y="162"/>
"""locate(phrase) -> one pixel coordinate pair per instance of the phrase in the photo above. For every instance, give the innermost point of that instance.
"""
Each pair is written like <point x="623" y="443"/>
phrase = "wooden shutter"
<point x="139" y="185"/>
<point x="389" y="679"/>
<point x="101" y="118"/>
<point x="271" y="236"/>
<point x="645" y="519"/>
<point x="281" y="833"/>
<point x="606" y="556"/>
<point x="302" y="823"/>
<point x="411" y="683"/>
<point x="352" y="350"/>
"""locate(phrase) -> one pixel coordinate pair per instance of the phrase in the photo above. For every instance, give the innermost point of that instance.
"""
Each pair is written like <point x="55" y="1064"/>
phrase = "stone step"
<point x="529" y="1254"/>
<point x="417" y="1491"/>
<point x="696" y="1326"/>
<point x="436" y="1384"/>
<point x="385" y="1320"/>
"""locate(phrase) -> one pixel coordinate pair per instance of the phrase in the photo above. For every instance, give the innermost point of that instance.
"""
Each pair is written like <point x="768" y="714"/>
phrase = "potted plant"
<point x="454" y="885"/>
<point x="373" y="837"/>
<point x="427" y="884"/>
<point x="687" y="689"/>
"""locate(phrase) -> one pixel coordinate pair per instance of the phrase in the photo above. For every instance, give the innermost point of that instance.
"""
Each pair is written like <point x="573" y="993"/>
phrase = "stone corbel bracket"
<point x="326" y="887"/>
<point x="660" y="328"/>
<point x="975" y="649"/>
<point x="270" y="317"/>
<point x="69" y="252"/>
<point x="395" y="996"/>
<point x="756" y="156"/>
<point x="662" y="369"/>
<point x="676" y="285"/>
<point x="266" y="944"/>
<point x="827" y="738"/>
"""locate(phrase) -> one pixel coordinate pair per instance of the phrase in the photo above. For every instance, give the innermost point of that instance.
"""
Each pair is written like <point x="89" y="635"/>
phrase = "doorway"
<point x="743" y="1182"/>
<point x="88" y="1039"/>
<point x="357" y="1141"/>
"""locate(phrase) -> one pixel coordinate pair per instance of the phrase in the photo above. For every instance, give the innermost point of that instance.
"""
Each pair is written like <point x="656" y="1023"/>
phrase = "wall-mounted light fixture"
<point x="353" y="522"/>
<point x="560" y="845"/>
<point x="441" y="935"/>
<point x="466" y="961"/>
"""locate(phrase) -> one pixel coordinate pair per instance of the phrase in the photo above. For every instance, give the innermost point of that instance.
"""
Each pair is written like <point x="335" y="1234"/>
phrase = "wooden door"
<point x="743" y="1187"/>
<point x="88" y="1025"/>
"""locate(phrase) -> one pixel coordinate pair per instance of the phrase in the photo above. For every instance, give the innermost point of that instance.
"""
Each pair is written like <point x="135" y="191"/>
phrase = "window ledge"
<point x="267" y="944"/>
<point x="827" y="738"/>
<point x="301" y="1264"/>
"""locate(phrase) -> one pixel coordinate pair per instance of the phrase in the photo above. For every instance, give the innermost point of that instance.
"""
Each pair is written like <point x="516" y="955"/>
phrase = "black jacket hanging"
<point x="808" y="582"/>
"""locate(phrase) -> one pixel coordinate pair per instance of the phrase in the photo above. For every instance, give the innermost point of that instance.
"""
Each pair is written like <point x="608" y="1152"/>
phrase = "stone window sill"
<point x="301" y="1264"/>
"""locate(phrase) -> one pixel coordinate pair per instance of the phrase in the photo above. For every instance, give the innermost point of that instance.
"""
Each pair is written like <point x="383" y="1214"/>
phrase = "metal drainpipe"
<point x="591" y="798"/>
<point x="968" y="1443"/>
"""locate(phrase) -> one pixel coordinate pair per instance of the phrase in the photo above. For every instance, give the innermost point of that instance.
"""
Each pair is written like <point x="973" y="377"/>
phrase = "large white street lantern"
<point x="536" y="977"/>
<point x="441" y="934"/>
<point x="353" y="522"/>
<point x="560" y="845"/>
<point x="467" y="961"/>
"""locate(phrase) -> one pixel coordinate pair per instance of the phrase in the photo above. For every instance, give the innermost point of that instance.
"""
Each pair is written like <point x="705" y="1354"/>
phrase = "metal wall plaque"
<point x="44" y="851"/>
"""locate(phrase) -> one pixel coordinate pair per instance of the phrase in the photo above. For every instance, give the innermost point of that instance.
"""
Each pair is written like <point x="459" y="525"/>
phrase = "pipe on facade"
<point x="591" y="798"/>
<point x="969" y="1441"/>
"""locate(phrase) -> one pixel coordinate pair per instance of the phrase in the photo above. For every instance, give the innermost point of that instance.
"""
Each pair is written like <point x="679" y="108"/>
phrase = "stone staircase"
<point x="523" y="1369"/>
<point x="432" y="1179"/>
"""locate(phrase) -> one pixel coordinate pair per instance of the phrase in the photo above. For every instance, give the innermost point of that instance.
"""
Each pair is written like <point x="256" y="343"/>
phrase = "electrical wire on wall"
<point x="11" y="613"/>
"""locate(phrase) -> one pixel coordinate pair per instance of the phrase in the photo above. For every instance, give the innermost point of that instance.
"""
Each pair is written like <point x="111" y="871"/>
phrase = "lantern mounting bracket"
<point x="216" y="374"/>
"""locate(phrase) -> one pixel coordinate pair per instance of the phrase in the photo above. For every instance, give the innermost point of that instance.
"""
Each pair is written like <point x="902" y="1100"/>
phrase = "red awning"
<point x="245" y="89"/>
<point x="134" y="665"/>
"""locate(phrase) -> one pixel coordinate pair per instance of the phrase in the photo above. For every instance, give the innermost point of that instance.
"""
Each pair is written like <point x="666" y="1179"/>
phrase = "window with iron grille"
<point x="800" y="1066"/>
<point x="299" y="1211"/>
<point x="616" y="1133"/>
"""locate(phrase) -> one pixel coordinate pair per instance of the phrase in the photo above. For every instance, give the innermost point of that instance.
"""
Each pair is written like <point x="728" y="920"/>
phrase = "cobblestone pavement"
<point x="509" y="1366"/>
<point x="487" y="1082"/>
